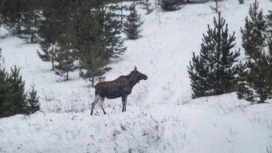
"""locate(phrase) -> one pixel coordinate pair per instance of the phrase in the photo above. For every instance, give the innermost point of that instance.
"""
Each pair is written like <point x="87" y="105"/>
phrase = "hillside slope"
<point x="161" y="117"/>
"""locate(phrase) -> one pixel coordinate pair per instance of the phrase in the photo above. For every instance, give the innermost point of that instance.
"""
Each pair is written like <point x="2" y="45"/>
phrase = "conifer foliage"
<point x="16" y="93"/>
<point x="269" y="30"/>
<point x="214" y="71"/>
<point x="20" y="17"/>
<point x="84" y="35"/>
<point x="12" y="13"/>
<point x="217" y="6"/>
<point x="31" y="21"/>
<point x="133" y="24"/>
<point x="254" y="32"/>
<point x="56" y="16"/>
<point x="93" y="54"/>
<point x="32" y="101"/>
<point x="169" y="5"/>
<point x="255" y="80"/>
<point x="269" y="23"/>
<point x="110" y="29"/>
<point x="255" y="83"/>
<point x="65" y="54"/>
<point x="13" y="98"/>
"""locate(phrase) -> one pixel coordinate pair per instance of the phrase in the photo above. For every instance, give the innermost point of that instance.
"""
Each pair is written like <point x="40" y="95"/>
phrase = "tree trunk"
<point x="92" y="81"/>
<point x="67" y="76"/>
<point x="261" y="101"/>
<point x="53" y="59"/>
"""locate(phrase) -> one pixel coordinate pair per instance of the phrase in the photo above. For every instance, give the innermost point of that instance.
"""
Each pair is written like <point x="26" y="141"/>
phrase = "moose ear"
<point x="135" y="69"/>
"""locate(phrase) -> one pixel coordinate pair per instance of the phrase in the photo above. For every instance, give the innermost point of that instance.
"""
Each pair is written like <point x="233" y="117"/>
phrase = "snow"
<point x="161" y="117"/>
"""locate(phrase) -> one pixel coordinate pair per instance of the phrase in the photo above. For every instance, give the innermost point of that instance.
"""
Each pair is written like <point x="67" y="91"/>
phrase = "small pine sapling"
<point x="32" y="101"/>
<point x="133" y="24"/>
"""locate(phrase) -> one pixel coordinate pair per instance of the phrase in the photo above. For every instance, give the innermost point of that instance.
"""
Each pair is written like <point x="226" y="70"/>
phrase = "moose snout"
<point x="145" y="77"/>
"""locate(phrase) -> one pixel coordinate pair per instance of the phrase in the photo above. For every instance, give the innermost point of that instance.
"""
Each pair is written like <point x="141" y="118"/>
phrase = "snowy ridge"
<point x="236" y="127"/>
<point x="161" y="117"/>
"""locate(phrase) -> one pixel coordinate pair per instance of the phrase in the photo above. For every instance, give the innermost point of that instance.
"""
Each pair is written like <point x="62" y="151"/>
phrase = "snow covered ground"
<point x="161" y="117"/>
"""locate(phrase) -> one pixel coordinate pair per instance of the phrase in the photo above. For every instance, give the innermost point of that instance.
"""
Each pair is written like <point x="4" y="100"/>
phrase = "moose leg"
<point x="97" y="98"/>
<point x="101" y="105"/>
<point x="124" y="102"/>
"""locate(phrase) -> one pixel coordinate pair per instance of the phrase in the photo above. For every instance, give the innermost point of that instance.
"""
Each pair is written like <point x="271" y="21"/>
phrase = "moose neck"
<point x="132" y="80"/>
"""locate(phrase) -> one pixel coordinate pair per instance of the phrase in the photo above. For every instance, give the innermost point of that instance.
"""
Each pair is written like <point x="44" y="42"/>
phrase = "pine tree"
<point x="3" y="91"/>
<point x="169" y="5"/>
<point x="1" y="16"/>
<point x="21" y="17"/>
<point x="217" y="5"/>
<point x="133" y="24"/>
<point x="93" y="55"/>
<point x="110" y="30"/>
<point x="255" y="80"/>
<point x="48" y="32"/>
<point x="30" y="20"/>
<point x="269" y="43"/>
<point x="15" y="98"/>
<point x="269" y="29"/>
<point x="32" y="101"/>
<point x="12" y="13"/>
<point x="269" y="21"/>
<point x="198" y="75"/>
<point x="254" y="32"/>
<point x="214" y="71"/>
<point x="3" y="87"/>
<point x="57" y="16"/>
<point x="65" y="56"/>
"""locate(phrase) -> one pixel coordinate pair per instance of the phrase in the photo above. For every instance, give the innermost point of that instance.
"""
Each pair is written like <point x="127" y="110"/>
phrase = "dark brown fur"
<point x="120" y="87"/>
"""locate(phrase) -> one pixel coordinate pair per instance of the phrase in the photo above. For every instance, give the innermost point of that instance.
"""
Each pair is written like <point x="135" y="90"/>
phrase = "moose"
<point x="120" y="87"/>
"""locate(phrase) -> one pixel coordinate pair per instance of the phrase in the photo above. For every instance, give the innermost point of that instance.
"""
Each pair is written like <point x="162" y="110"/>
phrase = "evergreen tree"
<point x="169" y="5"/>
<point x="15" y="97"/>
<point x="270" y="46"/>
<point x="30" y="20"/>
<point x="94" y="62"/>
<point x="56" y="17"/>
<point x="3" y="87"/>
<point x="254" y="32"/>
<point x="269" y="23"/>
<point x="110" y="30"/>
<point x="214" y="71"/>
<point x="1" y="16"/>
<point x="93" y="55"/>
<point x="65" y="56"/>
<point x="133" y="24"/>
<point x="12" y="13"/>
<point x="269" y="31"/>
<point x="255" y="80"/>
<point x="21" y="17"/>
<point x="32" y="101"/>
<point x="3" y="91"/>
<point x="198" y="75"/>
<point x="217" y="5"/>
<point x="48" y="32"/>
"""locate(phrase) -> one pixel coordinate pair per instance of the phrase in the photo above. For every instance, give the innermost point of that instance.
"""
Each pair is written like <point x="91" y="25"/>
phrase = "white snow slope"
<point x="161" y="117"/>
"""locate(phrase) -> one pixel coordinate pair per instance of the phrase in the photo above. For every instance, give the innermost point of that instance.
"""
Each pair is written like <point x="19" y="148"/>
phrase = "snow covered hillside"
<point x="161" y="117"/>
